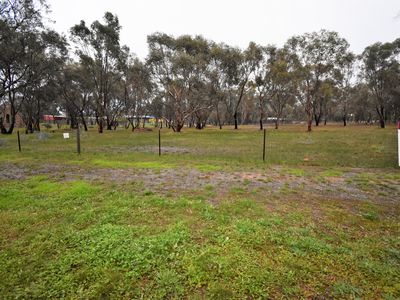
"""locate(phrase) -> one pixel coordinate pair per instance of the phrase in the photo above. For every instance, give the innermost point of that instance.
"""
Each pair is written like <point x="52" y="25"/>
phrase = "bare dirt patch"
<point x="273" y="181"/>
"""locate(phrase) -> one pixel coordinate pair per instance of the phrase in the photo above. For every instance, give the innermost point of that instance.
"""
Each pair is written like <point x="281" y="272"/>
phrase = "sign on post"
<point x="66" y="135"/>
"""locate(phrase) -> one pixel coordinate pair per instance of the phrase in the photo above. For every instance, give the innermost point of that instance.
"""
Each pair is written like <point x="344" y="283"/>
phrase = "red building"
<point x="52" y="118"/>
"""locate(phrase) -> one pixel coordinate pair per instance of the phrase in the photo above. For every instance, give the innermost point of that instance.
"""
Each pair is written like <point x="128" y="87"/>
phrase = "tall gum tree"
<point x="381" y="72"/>
<point x="22" y="46"/>
<point x="178" y="66"/>
<point x="99" y="50"/>
<point x="315" y="55"/>
<point x="284" y="85"/>
<point x="239" y="66"/>
<point x="263" y="83"/>
<point x="344" y="81"/>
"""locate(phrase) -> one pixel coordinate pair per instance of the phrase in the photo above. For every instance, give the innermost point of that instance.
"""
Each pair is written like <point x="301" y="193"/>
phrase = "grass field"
<point x="208" y="219"/>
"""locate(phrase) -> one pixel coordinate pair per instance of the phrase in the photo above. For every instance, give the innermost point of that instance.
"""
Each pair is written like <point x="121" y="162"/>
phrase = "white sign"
<point x="66" y="135"/>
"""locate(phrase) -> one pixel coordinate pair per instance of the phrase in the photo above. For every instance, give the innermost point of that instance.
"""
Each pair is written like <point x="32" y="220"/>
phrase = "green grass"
<point x="72" y="239"/>
<point x="329" y="146"/>
<point x="115" y="238"/>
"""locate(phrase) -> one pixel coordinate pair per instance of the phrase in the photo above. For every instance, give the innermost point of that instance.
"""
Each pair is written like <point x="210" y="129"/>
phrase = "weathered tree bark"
<point x="277" y="123"/>
<point x="178" y="127"/>
<point x="381" y="114"/>
<point x="235" y="115"/>
<point x="235" y="119"/>
<point x="109" y="123"/>
<point x="317" y="118"/>
<point x="261" y="115"/>
<point x="308" y="110"/>
<point x="83" y="121"/>
<point x="73" y="122"/>
<point x="218" y="117"/>
<point x="100" y="126"/>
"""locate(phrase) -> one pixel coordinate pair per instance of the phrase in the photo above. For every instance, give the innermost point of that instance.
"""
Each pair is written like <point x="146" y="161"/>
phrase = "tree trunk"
<point x="84" y="122"/>
<point x="344" y="121"/>
<point x="382" y="123"/>
<point x="317" y="119"/>
<point x="381" y="114"/>
<point x="218" y="118"/>
<point x="178" y="127"/>
<point x="37" y="125"/>
<point x="235" y="115"/>
<point x="100" y="126"/>
<point x="29" y="127"/>
<point x="308" y="110"/>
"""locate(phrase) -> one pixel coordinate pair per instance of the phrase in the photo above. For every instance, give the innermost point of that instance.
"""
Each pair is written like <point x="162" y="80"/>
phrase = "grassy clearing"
<point x="329" y="146"/>
<point x="272" y="231"/>
<point x="79" y="240"/>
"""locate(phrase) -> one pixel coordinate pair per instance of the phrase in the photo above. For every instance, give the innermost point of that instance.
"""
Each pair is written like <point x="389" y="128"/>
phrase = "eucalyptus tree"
<point x="238" y="67"/>
<point x="344" y="77"/>
<point x="137" y="90"/>
<point x="218" y="82"/>
<point x="362" y="104"/>
<point x="50" y="56"/>
<point x="77" y="91"/>
<point x="283" y="84"/>
<point x="263" y="83"/>
<point x="22" y="46"/>
<point x="178" y="65"/>
<point x="315" y="55"/>
<point x="275" y="83"/>
<point x="381" y="72"/>
<point x="201" y="94"/>
<point x="100" y="52"/>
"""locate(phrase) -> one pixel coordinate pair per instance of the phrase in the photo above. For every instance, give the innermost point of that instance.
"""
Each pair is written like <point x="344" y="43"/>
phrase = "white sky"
<point x="237" y="22"/>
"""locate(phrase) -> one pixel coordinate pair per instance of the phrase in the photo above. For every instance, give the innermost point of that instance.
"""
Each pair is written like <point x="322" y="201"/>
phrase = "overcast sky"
<point x="237" y="22"/>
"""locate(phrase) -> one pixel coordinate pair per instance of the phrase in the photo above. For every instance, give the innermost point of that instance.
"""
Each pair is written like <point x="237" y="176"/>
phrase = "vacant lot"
<point x="208" y="219"/>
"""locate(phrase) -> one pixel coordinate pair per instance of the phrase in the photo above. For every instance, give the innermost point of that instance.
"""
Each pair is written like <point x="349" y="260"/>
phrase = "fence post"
<point x="19" y="142"/>
<point x="78" y="140"/>
<point x="159" y="142"/>
<point x="264" y="146"/>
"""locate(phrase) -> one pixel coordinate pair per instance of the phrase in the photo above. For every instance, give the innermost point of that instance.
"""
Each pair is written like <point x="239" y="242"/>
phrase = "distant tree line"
<point x="187" y="80"/>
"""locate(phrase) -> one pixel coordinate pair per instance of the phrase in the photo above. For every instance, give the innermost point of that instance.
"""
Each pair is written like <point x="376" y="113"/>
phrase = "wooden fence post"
<point x="264" y="146"/>
<point x="159" y="142"/>
<point x="19" y="142"/>
<point x="78" y="140"/>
